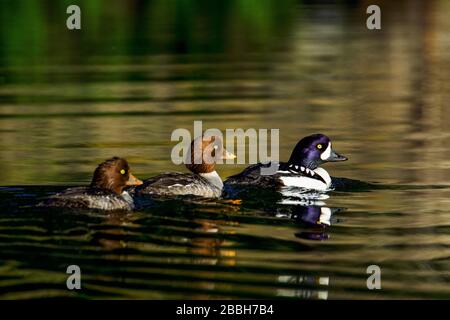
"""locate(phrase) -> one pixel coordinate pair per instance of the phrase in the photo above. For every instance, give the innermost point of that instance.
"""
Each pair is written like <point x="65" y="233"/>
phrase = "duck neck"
<point x="213" y="178"/>
<point x="106" y="185"/>
<point x="305" y="162"/>
<point x="127" y="197"/>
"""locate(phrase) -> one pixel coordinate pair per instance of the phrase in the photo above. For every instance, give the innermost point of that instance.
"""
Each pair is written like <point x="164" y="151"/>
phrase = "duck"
<point x="106" y="191"/>
<point x="203" y="180"/>
<point x="301" y="172"/>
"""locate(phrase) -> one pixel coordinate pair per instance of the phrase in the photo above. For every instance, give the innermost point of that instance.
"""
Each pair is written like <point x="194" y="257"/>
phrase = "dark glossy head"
<point x="314" y="150"/>
<point x="204" y="152"/>
<point x="114" y="175"/>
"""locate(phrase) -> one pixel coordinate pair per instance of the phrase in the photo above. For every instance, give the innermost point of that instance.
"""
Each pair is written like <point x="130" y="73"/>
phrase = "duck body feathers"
<point x="178" y="184"/>
<point x="287" y="175"/>
<point x="90" y="198"/>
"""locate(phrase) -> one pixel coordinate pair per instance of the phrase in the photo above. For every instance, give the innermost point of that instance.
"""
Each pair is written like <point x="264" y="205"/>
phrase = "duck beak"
<point x="335" y="157"/>
<point x="133" y="181"/>
<point x="228" y="155"/>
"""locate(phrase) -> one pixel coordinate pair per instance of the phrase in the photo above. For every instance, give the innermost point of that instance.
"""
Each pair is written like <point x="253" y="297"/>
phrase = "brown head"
<point x="114" y="175"/>
<point x="204" y="153"/>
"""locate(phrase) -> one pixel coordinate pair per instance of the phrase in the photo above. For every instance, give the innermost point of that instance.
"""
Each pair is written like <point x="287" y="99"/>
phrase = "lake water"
<point x="138" y="70"/>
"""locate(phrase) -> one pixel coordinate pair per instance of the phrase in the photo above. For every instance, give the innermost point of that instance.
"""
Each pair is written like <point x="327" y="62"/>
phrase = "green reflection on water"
<point x="140" y="69"/>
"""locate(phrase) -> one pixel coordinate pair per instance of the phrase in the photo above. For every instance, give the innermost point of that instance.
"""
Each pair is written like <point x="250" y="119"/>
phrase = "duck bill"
<point x="335" y="157"/>
<point x="133" y="181"/>
<point x="228" y="155"/>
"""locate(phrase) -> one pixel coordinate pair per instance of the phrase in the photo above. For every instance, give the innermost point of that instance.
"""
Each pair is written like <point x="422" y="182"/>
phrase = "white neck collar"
<point x="127" y="197"/>
<point x="213" y="178"/>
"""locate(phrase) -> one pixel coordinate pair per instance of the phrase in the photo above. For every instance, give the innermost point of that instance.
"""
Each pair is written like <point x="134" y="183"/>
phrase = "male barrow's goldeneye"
<point x="203" y="181"/>
<point x="105" y="191"/>
<point x="301" y="171"/>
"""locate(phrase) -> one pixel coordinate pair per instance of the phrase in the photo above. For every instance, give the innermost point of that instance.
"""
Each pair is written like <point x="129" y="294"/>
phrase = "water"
<point x="120" y="87"/>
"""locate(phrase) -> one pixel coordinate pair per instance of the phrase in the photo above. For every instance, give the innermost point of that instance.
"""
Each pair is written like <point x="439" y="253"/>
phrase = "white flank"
<point x="309" y="183"/>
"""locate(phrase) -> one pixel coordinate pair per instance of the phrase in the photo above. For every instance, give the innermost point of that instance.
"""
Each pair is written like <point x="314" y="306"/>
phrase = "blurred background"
<point x="137" y="70"/>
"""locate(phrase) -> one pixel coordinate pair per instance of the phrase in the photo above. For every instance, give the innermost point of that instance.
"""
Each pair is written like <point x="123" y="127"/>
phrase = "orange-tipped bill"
<point x="133" y="181"/>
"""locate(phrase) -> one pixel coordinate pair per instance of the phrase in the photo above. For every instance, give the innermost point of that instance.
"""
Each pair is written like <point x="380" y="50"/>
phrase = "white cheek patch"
<point x="327" y="153"/>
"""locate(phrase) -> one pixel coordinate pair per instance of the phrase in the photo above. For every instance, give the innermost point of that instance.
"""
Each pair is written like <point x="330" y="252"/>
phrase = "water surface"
<point x="139" y="70"/>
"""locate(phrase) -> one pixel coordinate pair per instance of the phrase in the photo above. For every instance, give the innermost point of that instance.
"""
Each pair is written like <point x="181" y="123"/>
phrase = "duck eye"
<point x="122" y="171"/>
<point x="319" y="146"/>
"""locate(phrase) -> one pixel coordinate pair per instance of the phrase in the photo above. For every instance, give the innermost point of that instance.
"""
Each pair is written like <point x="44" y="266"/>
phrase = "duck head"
<point x="204" y="152"/>
<point x="314" y="150"/>
<point x="114" y="175"/>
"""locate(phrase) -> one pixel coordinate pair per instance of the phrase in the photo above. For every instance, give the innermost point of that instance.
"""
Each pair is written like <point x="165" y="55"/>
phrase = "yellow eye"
<point x="122" y="171"/>
<point x="319" y="146"/>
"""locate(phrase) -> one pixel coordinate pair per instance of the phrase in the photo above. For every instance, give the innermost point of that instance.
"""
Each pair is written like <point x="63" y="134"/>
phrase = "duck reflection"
<point x="313" y="287"/>
<point x="203" y="248"/>
<point x="316" y="216"/>
<point x="114" y="231"/>
<point x="207" y="247"/>
<point x="310" y="210"/>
